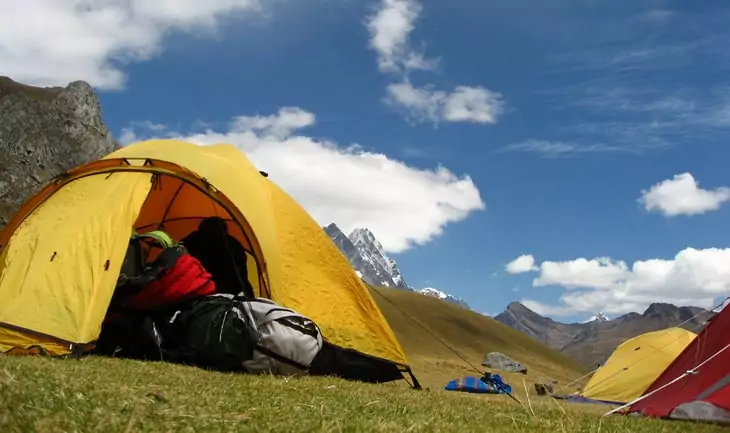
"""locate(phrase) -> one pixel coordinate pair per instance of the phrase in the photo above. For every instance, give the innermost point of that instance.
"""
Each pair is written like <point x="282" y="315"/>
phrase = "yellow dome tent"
<point x="61" y="253"/>
<point x="635" y="364"/>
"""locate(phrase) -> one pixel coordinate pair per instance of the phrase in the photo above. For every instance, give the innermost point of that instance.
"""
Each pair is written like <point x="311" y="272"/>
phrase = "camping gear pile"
<point x="489" y="383"/>
<point x="118" y="256"/>
<point x="171" y="309"/>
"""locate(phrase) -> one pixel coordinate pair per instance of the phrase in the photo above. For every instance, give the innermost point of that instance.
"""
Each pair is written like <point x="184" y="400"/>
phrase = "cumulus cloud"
<point x="547" y="310"/>
<point x="279" y="125"/>
<point x="682" y="195"/>
<point x="349" y="185"/>
<point x="52" y="42"/>
<point x="522" y="264"/>
<point x="556" y="149"/>
<point x="464" y="104"/>
<point x="692" y="277"/>
<point x="601" y="273"/>
<point x="390" y="27"/>
<point x="129" y="133"/>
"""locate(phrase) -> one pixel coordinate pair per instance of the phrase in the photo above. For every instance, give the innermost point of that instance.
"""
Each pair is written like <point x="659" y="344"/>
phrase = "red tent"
<point x="696" y="386"/>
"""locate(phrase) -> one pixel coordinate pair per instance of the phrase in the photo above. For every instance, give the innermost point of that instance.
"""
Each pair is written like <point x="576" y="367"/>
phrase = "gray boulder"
<point x="503" y="362"/>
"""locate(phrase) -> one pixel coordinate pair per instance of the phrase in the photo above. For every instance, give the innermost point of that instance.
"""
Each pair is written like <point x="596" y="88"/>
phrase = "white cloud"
<point x="682" y="195"/>
<point x="403" y="206"/>
<point x="522" y="264"/>
<point x="693" y="277"/>
<point x="472" y="104"/>
<point x="599" y="273"/>
<point x="555" y="149"/>
<point x="390" y="27"/>
<point x="53" y="42"/>
<point x="547" y="310"/>
<point x="129" y="133"/>
<point x="280" y="125"/>
<point x="464" y="104"/>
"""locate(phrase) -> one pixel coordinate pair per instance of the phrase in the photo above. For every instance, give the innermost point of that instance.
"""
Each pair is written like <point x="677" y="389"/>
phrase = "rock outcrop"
<point x="44" y="132"/>
<point x="503" y="362"/>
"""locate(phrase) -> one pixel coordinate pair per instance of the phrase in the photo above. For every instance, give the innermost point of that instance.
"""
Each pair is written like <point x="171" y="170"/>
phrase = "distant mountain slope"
<point x="592" y="342"/>
<point x="471" y="334"/>
<point x="554" y="334"/>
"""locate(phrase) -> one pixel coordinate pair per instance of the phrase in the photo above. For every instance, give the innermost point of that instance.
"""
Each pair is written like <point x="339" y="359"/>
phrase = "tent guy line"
<point x="485" y="375"/>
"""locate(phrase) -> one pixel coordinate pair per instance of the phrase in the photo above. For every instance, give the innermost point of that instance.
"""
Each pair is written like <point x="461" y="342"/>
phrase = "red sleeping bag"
<point x="179" y="277"/>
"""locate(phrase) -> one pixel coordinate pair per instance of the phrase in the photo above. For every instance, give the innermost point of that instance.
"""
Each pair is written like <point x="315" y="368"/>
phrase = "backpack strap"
<point x="276" y="356"/>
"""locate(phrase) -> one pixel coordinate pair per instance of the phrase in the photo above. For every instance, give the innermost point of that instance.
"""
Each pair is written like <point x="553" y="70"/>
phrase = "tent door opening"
<point x="178" y="207"/>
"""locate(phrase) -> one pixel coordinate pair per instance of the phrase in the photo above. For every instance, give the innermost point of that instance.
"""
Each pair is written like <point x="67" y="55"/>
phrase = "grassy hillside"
<point x="471" y="334"/>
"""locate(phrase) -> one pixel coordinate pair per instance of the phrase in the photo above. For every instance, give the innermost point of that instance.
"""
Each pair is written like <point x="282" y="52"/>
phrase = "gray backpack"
<point x="288" y="342"/>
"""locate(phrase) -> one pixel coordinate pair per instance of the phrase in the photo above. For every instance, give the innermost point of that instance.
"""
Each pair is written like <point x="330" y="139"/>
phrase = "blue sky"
<point x="465" y="134"/>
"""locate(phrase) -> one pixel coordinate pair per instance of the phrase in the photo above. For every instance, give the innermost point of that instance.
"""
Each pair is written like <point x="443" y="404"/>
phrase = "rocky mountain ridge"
<point x="366" y="256"/>
<point x="372" y="264"/>
<point x="591" y="342"/>
<point x="43" y="133"/>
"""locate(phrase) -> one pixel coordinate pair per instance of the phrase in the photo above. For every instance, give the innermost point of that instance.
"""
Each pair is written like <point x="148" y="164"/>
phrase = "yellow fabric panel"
<point x="15" y="342"/>
<point x="60" y="267"/>
<point x="253" y="273"/>
<point x="635" y="364"/>
<point x="305" y="270"/>
<point x="320" y="283"/>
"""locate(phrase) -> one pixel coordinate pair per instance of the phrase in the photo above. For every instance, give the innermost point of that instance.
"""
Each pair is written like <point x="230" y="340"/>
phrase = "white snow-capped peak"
<point x="367" y="255"/>
<point x="372" y="250"/>
<point x="433" y="292"/>
<point x="366" y="237"/>
<point x="436" y="293"/>
<point x="600" y="317"/>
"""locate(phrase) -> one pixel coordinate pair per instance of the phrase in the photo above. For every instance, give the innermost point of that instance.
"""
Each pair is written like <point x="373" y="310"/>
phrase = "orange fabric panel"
<point x="177" y="207"/>
<point x="182" y="206"/>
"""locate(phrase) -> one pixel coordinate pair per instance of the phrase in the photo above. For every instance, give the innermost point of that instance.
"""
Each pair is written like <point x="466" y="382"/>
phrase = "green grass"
<point x="115" y="395"/>
<point x="108" y="395"/>
<point x="472" y="335"/>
